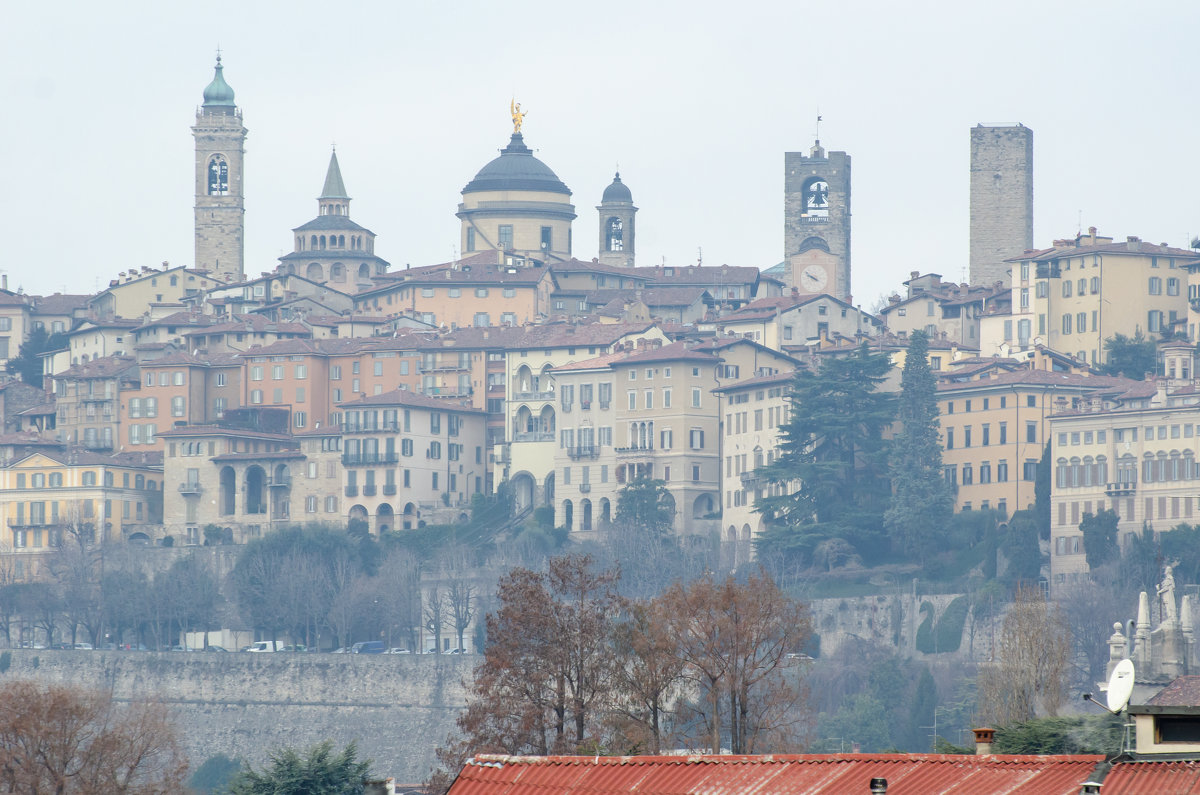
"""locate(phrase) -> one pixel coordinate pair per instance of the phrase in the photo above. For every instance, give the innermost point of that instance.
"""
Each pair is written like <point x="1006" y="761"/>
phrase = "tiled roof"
<point x="1142" y="248"/>
<point x="199" y="360"/>
<point x="104" y="367"/>
<point x="1176" y="777"/>
<point x="405" y="397"/>
<point x="1183" y="692"/>
<point x="337" y="223"/>
<point x="579" y="266"/>
<point x="760" y="380"/>
<point x="668" y="353"/>
<point x="223" y="430"/>
<point x="481" y="268"/>
<point x="59" y="303"/>
<point x="1028" y="377"/>
<point x="776" y="774"/>
<point x="272" y="456"/>
<point x="77" y="456"/>
<point x="699" y="274"/>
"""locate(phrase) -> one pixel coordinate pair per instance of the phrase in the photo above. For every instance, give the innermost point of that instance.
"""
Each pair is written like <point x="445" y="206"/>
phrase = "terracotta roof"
<point x="651" y="296"/>
<point x="699" y="274"/>
<point x="274" y="455"/>
<point x="668" y="353"/>
<point x="42" y="408"/>
<point x="222" y="430"/>
<point x="481" y="268"/>
<point x="760" y="380"/>
<point x="1027" y="377"/>
<point x="58" y="303"/>
<point x="78" y="456"/>
<point x="595" y="363"/>
<point x="405" y="397"/>
<point x="1177" y="777"/>
<point x="579" y="266"/>
<point x="776" y="774"/>
<point x="198" y="360"/>
<point x="1142" y="248"/>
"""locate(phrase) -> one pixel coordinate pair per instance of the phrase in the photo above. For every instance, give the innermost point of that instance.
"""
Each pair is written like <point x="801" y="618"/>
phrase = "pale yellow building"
<point x="51" y="497"/>
<point x="1078" y="293"/>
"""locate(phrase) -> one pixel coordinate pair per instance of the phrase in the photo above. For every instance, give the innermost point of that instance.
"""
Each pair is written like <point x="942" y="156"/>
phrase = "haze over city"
<point x="694" y="103"/>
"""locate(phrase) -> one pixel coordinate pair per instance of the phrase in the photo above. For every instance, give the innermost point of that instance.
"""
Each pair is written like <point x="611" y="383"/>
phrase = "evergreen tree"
<point x="1132" y="357"/>
<point x="319" y="772"/>
<point x="27" y="364"/>
<point x="645" y="505"/>
<point x="1099" y="537"/>
<point x="922" y="502"/>
<point x="1041" y="494"/>
<point x="832" y="462"/>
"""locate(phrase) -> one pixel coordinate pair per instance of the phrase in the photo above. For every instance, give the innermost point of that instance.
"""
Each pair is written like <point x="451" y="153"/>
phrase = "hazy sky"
<point x="696" y="101"/>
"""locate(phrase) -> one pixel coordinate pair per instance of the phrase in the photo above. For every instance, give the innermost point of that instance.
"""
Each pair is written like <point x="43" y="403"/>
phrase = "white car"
<point x="398" y="650"/>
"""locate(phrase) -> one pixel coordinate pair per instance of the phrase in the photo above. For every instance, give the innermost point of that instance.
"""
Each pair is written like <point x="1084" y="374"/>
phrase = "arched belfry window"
<point x="615" y="234"/>
<point x="816" y="199"/>
<point x="218" y="176"/>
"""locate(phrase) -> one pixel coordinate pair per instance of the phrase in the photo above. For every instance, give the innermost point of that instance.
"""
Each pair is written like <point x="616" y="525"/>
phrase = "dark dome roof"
<point x="516" y="169"/>
<point x="218" y="93"/>
<point x="618" y="191"/>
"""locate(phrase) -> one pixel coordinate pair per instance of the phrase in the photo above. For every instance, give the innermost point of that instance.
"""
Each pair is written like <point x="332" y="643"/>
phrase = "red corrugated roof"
<point x="907" y="774"/>
<point x="1153" y="778"/>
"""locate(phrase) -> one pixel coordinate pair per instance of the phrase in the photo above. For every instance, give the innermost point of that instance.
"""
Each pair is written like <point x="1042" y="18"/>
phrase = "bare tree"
<point x="434" y="610"/>
<point x="734" y="640"/>
<point x="1090" y="608"/>
<point x="1031" y="674"/>
<point x="60" y="739"/>
<point x="648" y="676"/>
<point x="461" y="592"/>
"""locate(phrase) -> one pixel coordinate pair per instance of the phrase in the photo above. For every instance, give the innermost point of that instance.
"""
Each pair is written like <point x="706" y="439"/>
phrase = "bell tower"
<point x="816" y="221"/>
<point x="616" y="224"/>
<point x="220" y="192"/>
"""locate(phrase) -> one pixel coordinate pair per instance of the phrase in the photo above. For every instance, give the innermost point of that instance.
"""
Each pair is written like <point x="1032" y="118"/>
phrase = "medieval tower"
<point x="816" y="221"/>
<point x="220" y="192"/>
<point x="1001" y="199"/>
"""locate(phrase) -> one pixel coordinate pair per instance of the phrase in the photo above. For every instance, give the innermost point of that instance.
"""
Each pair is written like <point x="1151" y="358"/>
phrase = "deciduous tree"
<point x="1032" y="671"/>
<point x="61" y="739"/>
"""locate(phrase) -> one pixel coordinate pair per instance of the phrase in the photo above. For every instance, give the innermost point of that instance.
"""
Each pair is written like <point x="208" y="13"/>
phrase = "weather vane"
<point x="518" y="116"/>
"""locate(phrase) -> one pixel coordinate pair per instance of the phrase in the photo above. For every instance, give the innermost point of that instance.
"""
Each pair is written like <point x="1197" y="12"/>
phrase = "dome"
<point x="218" y="93"/>
<point x="618" y="191"/>
<point x="516" y="169"/>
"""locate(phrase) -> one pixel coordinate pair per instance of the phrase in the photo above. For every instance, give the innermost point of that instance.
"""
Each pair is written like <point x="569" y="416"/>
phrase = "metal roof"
<point x="907" y="774"/>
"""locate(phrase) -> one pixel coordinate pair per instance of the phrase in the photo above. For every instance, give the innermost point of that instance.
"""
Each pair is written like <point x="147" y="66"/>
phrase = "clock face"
<point x="813" y="278"/>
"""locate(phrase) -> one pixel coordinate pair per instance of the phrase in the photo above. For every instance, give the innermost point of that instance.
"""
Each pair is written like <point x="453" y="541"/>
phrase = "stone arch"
<point x="255" y="485"/>
<point x="524" y="422"/>
<point x="314" y="272"/>
<point x="364" y="272"/>
<point x="410" y="515"/>
<point x="568" y="515"/>
<point x="227" y="498"/>
<point x="337" y="272"/>
<point x="585" y="515"/>
<point x="614" y="234"/>
<point x="139" y="539"/>
<point x="703" y="505"/>
<point x="525" y="380"/>
<point x="669" y="504"/>
<point x="810" y="243"/>
<point x="546" y="422"/>
<point x="548" y="489"/>
<point x="314" y="242"/>
<point x="605" y="511"/>
<point x="322" y="242"/>
<point x="523" y="491"/>
<point x="385" y="519"/>
<point x="341" y="239"/>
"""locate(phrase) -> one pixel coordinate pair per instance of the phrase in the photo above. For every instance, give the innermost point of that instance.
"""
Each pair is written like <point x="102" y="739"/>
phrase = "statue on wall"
<point x="1166" y="592"/>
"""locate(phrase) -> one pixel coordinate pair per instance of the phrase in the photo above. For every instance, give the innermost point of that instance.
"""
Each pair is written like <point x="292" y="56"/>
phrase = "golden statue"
<point x="518" y="115"/>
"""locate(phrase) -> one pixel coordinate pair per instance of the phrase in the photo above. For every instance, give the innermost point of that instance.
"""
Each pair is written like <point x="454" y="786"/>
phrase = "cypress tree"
<point x="922" y="502"/>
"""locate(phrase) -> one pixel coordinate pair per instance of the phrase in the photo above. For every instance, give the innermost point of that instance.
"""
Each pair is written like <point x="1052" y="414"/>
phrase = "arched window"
<point x="816" y="199"/>
<point x="322" y="242"/>
<point x="615" y="235"/>
<point x="341" y="241"/>
<point x="218" y="176"/>
<point x="315" y="272"/>
<point x="314" y="241"/>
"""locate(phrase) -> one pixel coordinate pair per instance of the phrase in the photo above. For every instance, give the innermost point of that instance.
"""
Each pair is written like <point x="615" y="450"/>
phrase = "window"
<point x="649" y="399"/>
<point x="1155" y="285"/>
<point x="949" y="438"/>
<point x="1002" y="472"/>
<point x="482" y="320"/>
<point x="256" y="373"/>
<point x="470" y="238"/>
<point x="695" y="397"/>
<point x="632" y="399"/>
<point x="1081" y="322"/>
<point x="1154" y="320"/>
<point x="256" y="396"/>
<point x="177" y="407"/>
<point x="1042" y="289"/>
<point x="505" y="237"/>
<point x="696" y="438"/>
<point x="547" y="238"/>
<point x="1031" y="432"/>
<point x="1066" y="324"/>
<point x="220" y="379"/>
<point x="406" y="447"/>
<point x="1172" y="286"/>
<point x="666" y="398"/>
<point x="510" y="292"/>
<point x="277" y="372"/>
<point x="1066" y="288"/>
<point x="481" y="292"/>
<point x="335" y="373"/>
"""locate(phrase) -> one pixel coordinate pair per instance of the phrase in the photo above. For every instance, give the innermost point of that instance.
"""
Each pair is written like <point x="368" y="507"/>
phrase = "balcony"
<point x="1120" y="489"/>
<point x="635" y="450"/>
<point x="448" y="391"/>
<point x="361" y="459"/>
<point x="389" y="489"/>
<point x="585" y="405"/>
<point x="352" y="491"/>
<point x="390" y="426"/>
<point x="1048" y="270"/>
<point x="369" y="490"/>
<point x="604" y="405"/>
<point x="191" y="489"/>
<point x="502" y="455"/>
<point x="751" y="479"/>
<point x="97" y="444"/>
<point x="535" y="436"/>
<point x="577" y="453"/>
<point x="585" y="488"/>
<point x="546" y="396"/>
<point x="455" y="367"/>
<point x="281" y="482"/>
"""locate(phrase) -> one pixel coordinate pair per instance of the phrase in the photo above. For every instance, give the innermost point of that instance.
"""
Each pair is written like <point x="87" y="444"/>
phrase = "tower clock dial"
<point x="814" y="278"/>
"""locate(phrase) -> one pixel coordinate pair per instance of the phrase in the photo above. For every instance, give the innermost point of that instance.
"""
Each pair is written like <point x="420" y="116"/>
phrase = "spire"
<point x="334" y="187"/>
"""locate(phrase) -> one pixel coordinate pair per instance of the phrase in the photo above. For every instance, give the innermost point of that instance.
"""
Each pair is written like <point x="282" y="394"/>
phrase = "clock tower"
<point x="816" y="221"/>
<point x="220" y="195"/>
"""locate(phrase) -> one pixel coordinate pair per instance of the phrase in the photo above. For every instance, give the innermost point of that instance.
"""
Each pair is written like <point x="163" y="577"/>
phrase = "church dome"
<point x="618" y="191"/>
<point x="516" y="169"/>
<point x="218" y="93"/>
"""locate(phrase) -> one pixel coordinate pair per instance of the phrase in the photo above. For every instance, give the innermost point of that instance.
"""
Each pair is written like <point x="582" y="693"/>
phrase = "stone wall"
<point x="399" y="708"/>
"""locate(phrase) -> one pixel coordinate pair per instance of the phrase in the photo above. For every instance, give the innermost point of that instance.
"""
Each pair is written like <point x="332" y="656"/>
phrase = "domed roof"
<point x="618" y="191"/>
<point x="516" y="169"/>
<point x="218" y="92"/>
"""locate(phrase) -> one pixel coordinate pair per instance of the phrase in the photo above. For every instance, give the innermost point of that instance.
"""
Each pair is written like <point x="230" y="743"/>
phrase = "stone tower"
<point x="816" y="221"/>
<point x="1001" y="199"/>
<point x="617" y="235"/>
<point x="220" y="191"/>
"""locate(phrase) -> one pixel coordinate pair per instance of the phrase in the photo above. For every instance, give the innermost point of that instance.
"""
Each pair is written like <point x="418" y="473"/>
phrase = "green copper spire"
<point x="334" y="187"/>
<point x="218" y="93"/>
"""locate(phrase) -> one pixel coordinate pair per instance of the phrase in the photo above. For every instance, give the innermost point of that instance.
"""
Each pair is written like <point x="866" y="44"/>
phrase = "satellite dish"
<point x="1120" y="686"/>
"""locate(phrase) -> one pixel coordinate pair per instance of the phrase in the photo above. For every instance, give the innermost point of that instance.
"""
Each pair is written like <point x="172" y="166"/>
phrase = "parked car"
<point x="398" y="650"/>
<point x="343" y="650"/>
<point x="217" y="648"/>
<point x="84" y="647"/>
<point x="263" y="646"/>
<point x="368" y="647"/>
<point x="294" y="648"/>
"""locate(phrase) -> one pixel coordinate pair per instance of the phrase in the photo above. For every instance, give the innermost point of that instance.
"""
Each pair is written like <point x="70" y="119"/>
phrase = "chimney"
<point x="983" y="741"/>
<point x="879" y="786"/>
